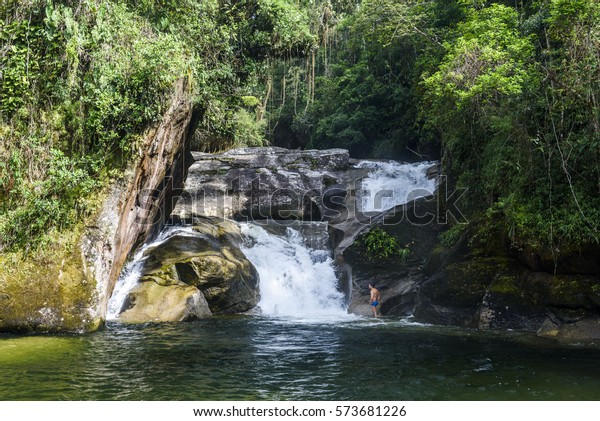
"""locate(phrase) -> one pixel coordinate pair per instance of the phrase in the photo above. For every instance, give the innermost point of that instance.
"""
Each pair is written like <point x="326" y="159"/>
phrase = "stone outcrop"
<point x="152" y="302"/>
<point x="398" y="280"/>
<point x="491" y="288"/>
<point x="69" y="290"/>
<point x="199" y="271"/>
<point x="261" y="183"/>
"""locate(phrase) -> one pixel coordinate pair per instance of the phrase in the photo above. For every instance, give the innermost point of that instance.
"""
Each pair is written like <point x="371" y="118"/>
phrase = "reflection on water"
<point x="255" y="358"/>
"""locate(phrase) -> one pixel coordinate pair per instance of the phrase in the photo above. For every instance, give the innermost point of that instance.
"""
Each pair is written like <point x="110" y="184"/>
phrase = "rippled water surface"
<point x="243" y="357"/>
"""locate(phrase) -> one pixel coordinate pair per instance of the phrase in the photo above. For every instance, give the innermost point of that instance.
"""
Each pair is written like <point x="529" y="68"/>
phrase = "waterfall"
<point x="393" y="183"/>
<point x="296" y="280"/>
<point x="298" y="276"/>
<point x="127" y="280"/>
<point x="132" y="271"/>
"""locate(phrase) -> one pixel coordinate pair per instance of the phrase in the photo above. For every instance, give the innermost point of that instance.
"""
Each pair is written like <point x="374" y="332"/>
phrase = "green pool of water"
<point x="255" y="358"/>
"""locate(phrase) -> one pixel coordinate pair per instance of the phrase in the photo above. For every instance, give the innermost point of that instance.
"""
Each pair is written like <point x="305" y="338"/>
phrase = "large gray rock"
<point x="210" y="260"/>
<point x="261" y="183"/>
<point x="397" y="279"/>
<point x="152" y="302"/>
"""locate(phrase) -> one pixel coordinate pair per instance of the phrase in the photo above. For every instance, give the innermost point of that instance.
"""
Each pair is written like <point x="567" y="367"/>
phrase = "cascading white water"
<point x="392" y="183"/>
<point x="131" y="273"/>
<point x="296" y="281"/>
<point x="127" y="280"/>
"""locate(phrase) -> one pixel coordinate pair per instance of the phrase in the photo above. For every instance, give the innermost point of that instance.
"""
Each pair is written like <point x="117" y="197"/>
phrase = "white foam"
<point x="296" y="282"/>
<point x="131" y="273"/>
<point x="392" y="183"/>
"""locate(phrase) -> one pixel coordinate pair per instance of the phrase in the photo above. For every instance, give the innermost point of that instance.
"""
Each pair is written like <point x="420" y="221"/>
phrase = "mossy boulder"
<point x="210" y="260"/>
<point x="150" y="301"/>
<point x="452" y="296"/>
<point x="48" y="291"/>
<point x="509" y="304"/>
<point x="498" y="292"/>
<point x="565" y="291"/>
<point x="484" y="292"/>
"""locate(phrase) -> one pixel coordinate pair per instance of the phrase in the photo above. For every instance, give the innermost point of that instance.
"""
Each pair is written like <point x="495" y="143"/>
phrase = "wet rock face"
<point x="193" y="275"/>
<point x="481" y="292"/>
<point x="260" y="183"/>
<point x="397" y="279"/>
<point x="494" y="290"/>
<point x="152" y="302"/>
<point x="582" y="260"/>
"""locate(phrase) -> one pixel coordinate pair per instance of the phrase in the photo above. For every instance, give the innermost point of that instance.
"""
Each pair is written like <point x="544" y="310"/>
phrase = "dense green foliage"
<point x="379" y="244"/>
<point x="82" y="81"/>
<point x="504" y="92"/>
<point x="519" y="121"/>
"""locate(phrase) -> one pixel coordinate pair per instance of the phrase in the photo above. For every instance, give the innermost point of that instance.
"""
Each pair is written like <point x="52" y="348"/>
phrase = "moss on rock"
<point x="152" y="302"/>
<point x="47" y="290"/>
<point x="209" y="261"/>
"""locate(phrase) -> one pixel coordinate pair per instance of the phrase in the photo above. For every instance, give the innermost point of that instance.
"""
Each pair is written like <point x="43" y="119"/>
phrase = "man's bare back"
<point x="375" y="297"/>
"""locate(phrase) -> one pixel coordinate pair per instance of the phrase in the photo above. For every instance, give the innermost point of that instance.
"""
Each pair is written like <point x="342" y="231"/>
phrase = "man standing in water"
<point x="375" y="297"/>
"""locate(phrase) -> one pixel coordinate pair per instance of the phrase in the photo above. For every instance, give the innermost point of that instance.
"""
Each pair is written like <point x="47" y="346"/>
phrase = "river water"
<point x="303" y="346"/>
<point x="267" y="358"/>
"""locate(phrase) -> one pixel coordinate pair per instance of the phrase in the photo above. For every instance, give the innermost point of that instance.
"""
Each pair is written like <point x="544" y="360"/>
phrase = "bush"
<point x="246" y="130"/>
<point x="57" y="202"/>
<point x="381" y="245"/>
<point x="450" y="237"/>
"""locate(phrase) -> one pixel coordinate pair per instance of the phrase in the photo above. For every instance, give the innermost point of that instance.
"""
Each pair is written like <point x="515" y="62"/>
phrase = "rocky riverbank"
<point x="200" y="271"/>
<point x="66" y="287"/>
<point x="478" y="284"/>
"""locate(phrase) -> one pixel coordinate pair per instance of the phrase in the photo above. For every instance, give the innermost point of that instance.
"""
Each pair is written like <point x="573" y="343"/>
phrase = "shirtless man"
<point x="375" y="297"/>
